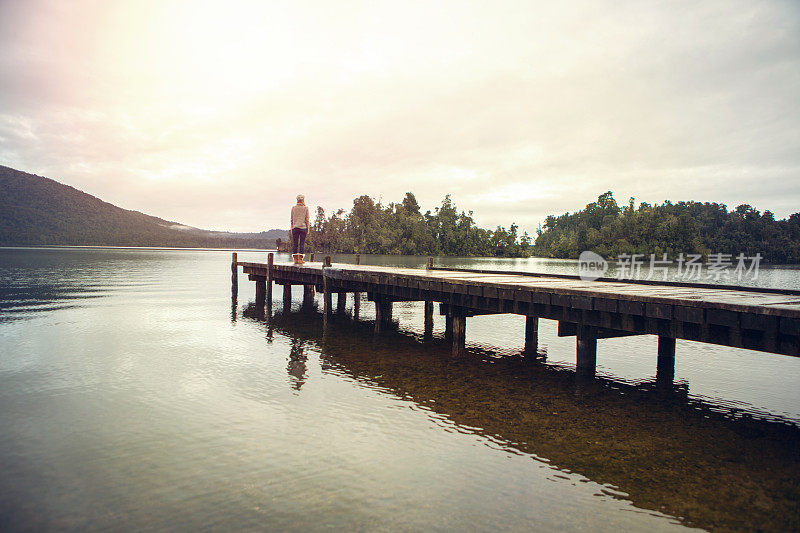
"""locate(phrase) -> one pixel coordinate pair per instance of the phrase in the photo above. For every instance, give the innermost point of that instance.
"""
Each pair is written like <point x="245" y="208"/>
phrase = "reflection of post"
<point x="357" y="295"/>
<point x="587" y="351"/>
<point x="531" y="335"/>
<point x="297" y="364"/>
<point x="459" y="334"/>
<point x="665" y="369"/>
<point x="428" y="319"/>
<point x="234" y="305"/>
<point x="287" y="297"/>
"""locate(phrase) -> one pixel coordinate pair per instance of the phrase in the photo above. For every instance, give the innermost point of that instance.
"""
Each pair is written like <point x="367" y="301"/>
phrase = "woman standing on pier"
<point x="300" y="225"/>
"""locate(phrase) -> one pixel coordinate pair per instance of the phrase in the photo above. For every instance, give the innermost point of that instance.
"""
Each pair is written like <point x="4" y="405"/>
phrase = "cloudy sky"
<point x="217" y="113"/>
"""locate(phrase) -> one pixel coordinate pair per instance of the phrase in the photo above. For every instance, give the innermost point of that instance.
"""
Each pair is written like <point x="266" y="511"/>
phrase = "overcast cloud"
<point x="216" y="114"/>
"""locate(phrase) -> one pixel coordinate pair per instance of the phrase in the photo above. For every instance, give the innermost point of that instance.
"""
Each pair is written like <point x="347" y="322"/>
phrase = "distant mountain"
<point x="35" y="210"/>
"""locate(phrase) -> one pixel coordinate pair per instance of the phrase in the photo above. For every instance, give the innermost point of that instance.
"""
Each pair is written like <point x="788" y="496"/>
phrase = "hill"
<point x="35" y="210"/>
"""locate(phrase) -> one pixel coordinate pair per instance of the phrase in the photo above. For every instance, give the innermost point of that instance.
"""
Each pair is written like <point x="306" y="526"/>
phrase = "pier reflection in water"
<point x="648" y="443"/>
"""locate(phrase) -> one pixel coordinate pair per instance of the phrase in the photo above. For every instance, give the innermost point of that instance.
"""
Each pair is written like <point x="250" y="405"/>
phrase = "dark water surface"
<point x="135" y="393"/>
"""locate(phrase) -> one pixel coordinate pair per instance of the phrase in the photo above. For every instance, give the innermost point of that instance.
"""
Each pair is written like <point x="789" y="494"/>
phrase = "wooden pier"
<point x="766" y="320"/>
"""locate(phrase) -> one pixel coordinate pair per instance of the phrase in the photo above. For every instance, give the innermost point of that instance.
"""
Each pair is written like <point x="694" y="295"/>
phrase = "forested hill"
<point x="672" y="228"/>
<point x="39" y="211"/>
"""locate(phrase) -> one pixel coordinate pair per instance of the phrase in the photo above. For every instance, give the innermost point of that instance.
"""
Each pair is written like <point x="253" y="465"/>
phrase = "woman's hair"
<point x="300" y="197"/>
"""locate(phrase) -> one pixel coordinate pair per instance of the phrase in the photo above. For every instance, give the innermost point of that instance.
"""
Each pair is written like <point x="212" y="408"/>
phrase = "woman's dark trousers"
<point x="299" y="240"/>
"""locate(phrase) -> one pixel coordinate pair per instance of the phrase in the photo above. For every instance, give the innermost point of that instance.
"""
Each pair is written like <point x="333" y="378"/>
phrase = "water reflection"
<point x="650" y="443"/>
<point x="297" y="363"/>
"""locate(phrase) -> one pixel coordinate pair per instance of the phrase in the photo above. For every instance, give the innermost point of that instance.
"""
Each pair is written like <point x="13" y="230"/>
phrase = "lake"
<point x="137" y="394"/>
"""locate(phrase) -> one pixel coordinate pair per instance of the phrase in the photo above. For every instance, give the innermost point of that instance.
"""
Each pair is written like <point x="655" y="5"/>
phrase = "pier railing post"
<point x="586" y="363"/>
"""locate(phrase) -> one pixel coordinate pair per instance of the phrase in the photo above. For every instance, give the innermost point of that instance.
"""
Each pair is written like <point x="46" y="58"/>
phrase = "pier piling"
<point x="586" y="363"/>
<point x="308" y="295"/>
<point x="762" y="319"/>
<point x="270" y="262"/>
<point x="665" y="367"/>
<point x="428" y="318"/>
<point x="531" y="335"/>
<point x="234" y="273"/>
<point x="357" y="295"/>
<point x="383" y="313"/>
<point x="459" y="334"/>
<point x="287" y="297"/>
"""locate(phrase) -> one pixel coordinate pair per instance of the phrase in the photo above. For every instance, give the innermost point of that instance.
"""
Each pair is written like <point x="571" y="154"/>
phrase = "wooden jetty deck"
<point x="766" y="320"/>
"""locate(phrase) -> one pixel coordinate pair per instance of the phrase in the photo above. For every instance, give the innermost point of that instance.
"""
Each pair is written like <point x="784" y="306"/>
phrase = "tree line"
<point x="669" y="228"/>
<point x="602" y="226"/>
<point x="401" y="228"/>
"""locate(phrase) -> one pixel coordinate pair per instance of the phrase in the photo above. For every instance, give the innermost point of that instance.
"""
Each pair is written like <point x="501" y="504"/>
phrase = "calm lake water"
<point x="136" y="393"/>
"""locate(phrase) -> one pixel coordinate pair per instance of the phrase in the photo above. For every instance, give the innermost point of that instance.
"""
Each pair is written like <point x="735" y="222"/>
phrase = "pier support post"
<point x="287" y="298"/>
<point x="428" y="319"/>
<point x="270" y="261"/>
<point x="327" y="298"/>
<point x="308" y="295"/>
<point x="448" y="327"/>
<point x="587" y="351"/>
<point x="357" y="295"/>
<point x="341" y="302"/>
<point x="665" y="368"/>
<point x="261" y="292"/>
<point x="531" y="335"/>
<point x="234" y="274"/>
<point x="459" y="335"/>
<point x="383" y="313"/>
